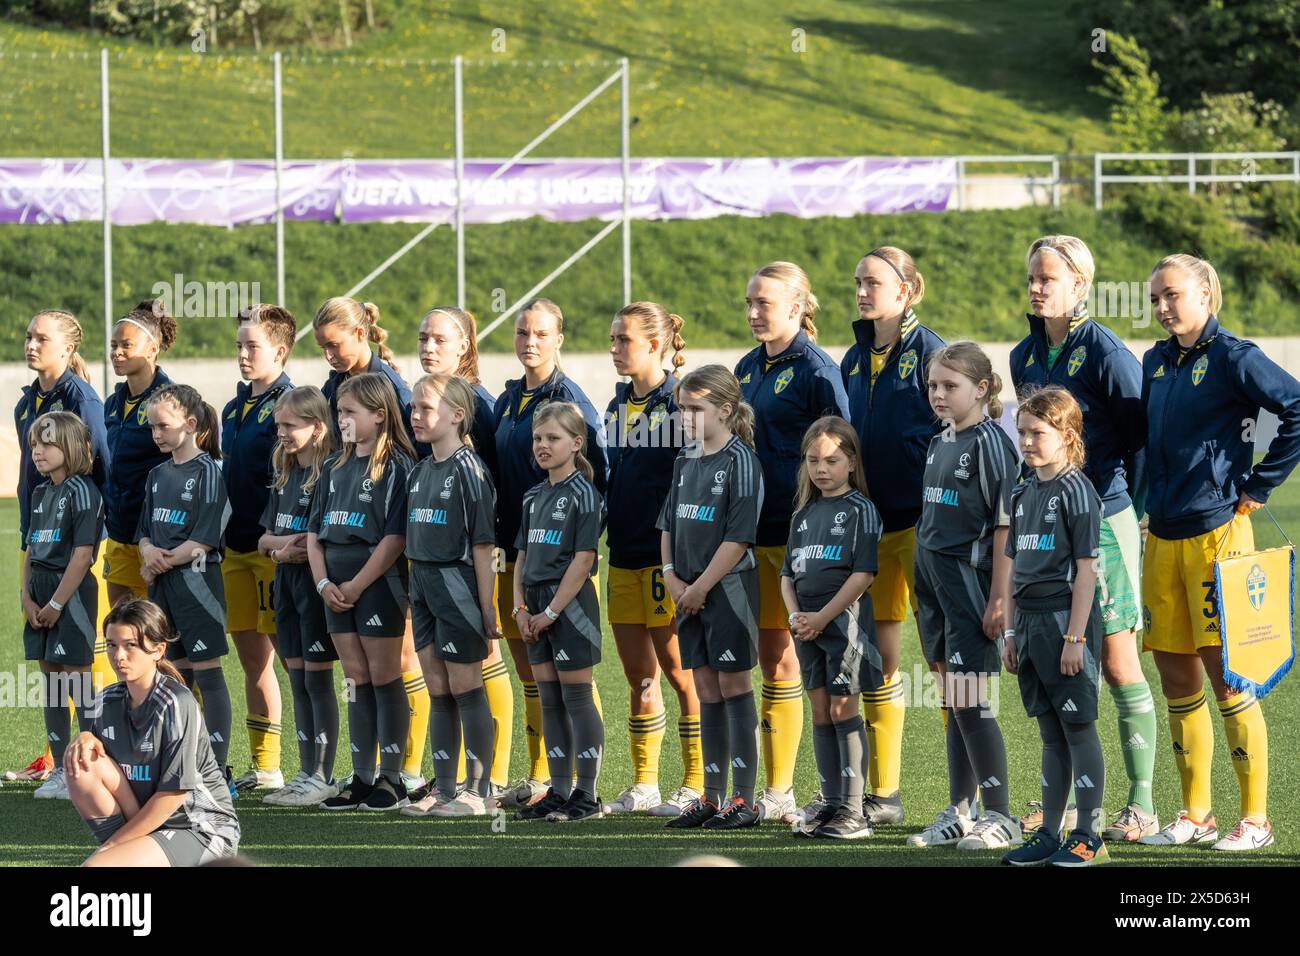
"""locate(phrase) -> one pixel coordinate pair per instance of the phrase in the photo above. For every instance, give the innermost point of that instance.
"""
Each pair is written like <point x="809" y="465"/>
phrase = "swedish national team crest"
<point x="782" y="380"/>
<point x="906" y="363"/>
<point x="266" y="410"/>
<point x="1198" y="370"/>
<point x="1256" y="586"/>
<point x="658" y="416"/>
<point x="142" y="415"/>
<point x="1076" y="360"/>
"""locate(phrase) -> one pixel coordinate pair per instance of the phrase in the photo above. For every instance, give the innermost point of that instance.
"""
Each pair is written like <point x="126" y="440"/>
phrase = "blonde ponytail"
<point x="352" y="314"/>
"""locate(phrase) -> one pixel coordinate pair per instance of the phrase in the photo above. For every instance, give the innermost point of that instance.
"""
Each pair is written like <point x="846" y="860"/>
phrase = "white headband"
<point x="140" y="327"/>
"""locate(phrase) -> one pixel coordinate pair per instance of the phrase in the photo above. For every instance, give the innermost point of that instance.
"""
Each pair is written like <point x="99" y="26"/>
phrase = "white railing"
<point x="1248" y="165"/>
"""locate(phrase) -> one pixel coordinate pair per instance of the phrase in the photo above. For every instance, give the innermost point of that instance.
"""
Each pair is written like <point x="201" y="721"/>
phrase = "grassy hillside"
<point x="973" y="265"/>
<point x="708" y="78"/>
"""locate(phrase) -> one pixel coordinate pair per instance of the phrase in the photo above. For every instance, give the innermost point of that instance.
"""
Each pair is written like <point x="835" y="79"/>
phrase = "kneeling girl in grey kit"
<point x="709" y="524"/>
<point x="60" y="596"/>
<point x="355" y="538"/>
<point x="1055" y="645"/>
<point x="181" y="535"/>
<point x="830" y="563"/>
<point x="557" y="612"/>
<point x="960" y="587"/>
<point x="144" y="777"/>
<point x="450" y="540"/>
<point x="305" y="441"/>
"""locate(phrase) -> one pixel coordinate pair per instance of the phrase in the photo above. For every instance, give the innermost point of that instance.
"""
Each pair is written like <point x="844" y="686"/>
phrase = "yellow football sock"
<point x="884" y="710"/>
<point x="782" y="724"/>
<point x="417" y="735"/>
<point x="1192" y="736"/>
<point x="688" y="729"/>
<point x="263" y="742"/>
<point x="646" y="733"/>
<point x="537" y="768"/>
<point x="595" y="698"/>
<point x="1243" y="725"/>
<point x="501" y="702"/>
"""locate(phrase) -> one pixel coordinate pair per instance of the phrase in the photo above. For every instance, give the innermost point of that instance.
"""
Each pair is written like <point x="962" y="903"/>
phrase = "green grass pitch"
<point x="48" y="833"/>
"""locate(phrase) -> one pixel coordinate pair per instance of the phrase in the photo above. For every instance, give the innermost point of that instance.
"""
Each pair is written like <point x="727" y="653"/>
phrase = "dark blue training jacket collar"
<point x="1172" y="348"/>
<point x="1038" y="325"/>
<point x="64" y="381"/>
<point x="864" y="333"/>
<point x="122" y="389"/>
<point x="516" y="385"/>
<point x="796" y="350"/>
<point x="663" y="388"/>
<point x="243" y="389"/>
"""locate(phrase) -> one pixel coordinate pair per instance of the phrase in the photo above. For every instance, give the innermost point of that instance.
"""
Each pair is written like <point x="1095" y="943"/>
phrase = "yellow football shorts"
<point x="122" y="567"/>
<point x="639" y="597"/>
<point x="894" y="588"/>
<point x="1179" y="609"/>
<point x="249" y="579"/>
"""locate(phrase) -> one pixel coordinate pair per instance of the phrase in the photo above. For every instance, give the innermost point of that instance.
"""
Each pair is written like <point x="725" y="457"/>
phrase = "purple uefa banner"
<point x="232" y="192"/>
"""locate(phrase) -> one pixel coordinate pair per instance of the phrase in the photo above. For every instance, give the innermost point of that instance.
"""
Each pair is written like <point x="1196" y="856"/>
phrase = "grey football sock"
<point x="588" y="734"/>
<point x="479" y="731"/>
<point x="715" y="749"/>
<point x="742" y="717"/>
<point x="1089" y="768"/>
<point x="557" y="736"/>
<point x="325" y="720"/>
<point x="988" y="756"/>
<point x="444" y="740"/>
<point x="962" y="784"/>
<point x="1056" y="771"/>
<point x="826" y="753"/>
<point x="393" y="722"/>
<point x="303" y="719"/>
<point x="101" y="828"/>
<point x="82" y="688"/>
<point x="851" y="742"/>
<point x="363" y="731"/>
<point x="216" y="710"/>
<point x="58" y="722"/>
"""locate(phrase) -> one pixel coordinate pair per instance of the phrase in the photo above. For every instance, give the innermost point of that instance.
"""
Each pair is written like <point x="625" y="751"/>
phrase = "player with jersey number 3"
<point x="1202" y="390"/>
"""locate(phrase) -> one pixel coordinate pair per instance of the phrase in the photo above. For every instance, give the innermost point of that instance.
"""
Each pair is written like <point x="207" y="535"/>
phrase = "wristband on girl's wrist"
<point x="550" y="614"/>
<point x="1009" y="632"/>
<point x="322" y="584"/>
<point x="54" y="604"/>
<point x="1075" y="639"/>
<point x="668" y="567"/>
<point x="518" y="608"/>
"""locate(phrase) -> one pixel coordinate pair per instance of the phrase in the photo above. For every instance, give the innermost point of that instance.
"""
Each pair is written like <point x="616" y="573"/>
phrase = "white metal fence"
<point x="1194" y="169"/>
<point x="1247" y="164"/>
